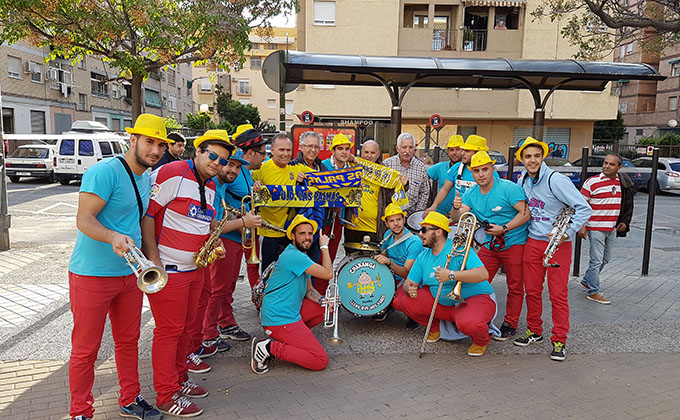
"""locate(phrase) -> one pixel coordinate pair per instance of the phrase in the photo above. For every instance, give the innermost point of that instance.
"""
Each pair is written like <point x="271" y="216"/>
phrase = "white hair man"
<point x="405" y="162"/>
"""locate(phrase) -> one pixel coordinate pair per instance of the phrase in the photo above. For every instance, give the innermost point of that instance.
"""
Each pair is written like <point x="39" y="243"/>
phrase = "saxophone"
<point x="559" y="231"/>
<point x="208" y="252"/>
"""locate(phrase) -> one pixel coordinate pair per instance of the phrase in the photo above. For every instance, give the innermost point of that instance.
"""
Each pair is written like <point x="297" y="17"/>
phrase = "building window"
<point x="415" y="16"/>
<point x="271" y="103"/>
<point x="623" y="107"/>
<point x="155" y="74"/>
<point x="8" y="120"/>
<point x="81" y="64"/>
<point x="171" y="77"/>
<point x="507" y="18"/>
<point x="622" y="54"/>
<point x="629" y="49"/>
<point x="36" y="70"/>
<point x="172" y="102"/>
<point x="115" y="91"/>
<point x="59" y="74"/>
<point x="255" y="63"/>
<point x="14" y="67"/>
<point x="476" y="22"/>
<point x="672" y="103"/>
<point x="152" y="98"/>
<point x="128" y="90"/>
<point x="98" y="83"/>
<point x="37" y="122"/>
<point x="244" y="87"/>
<point x="272" y="46"/>
<point x="675" y="69"/>
<point x="639" y="131"/>
<point x="324" y="13"/>
<point x="82" y="102"/>
<point x="244" y="101"/>
<point x="206" y="86"/>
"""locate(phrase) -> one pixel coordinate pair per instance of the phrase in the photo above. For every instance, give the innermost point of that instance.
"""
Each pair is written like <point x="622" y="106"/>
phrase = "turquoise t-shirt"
<point x="230" y="193"/>
<point x="438" y="173"/>
<point x="109" y="180"/>
<point x="465" y="181"/>
<point x="422" y="273"/>
<point x="496" y="207"/>
<point x="286" y="288"/>
<point x="407" y="250"/>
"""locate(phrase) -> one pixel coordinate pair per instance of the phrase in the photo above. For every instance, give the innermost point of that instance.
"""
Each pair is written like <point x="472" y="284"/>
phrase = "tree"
<point x="235" y="112"/>
<point x="139" y="36"/>
<point x="200" y="121"/>
<point x="610" y="129"/>
<point x="588" y="24"/>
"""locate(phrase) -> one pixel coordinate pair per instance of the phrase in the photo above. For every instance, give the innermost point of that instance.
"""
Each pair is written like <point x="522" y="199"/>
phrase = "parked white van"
<point x="77" y="151"/>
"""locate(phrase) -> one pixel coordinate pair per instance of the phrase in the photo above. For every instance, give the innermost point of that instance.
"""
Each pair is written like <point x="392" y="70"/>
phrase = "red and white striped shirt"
<point x="175" y="204"/>
<point x="604" y="196"/>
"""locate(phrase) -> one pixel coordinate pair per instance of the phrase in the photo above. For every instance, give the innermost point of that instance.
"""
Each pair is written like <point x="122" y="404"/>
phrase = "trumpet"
<point x="236" y="212"/>
<point x="330" y="320"/>
<point x="208" y="252"/>
<point x="559" y="231"/>
<point x="253" y="259"/>
<point x="150" y="278"/>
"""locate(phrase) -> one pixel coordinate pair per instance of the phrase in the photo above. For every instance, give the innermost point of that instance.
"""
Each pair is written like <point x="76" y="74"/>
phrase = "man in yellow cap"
<point x="502" y="204"/>
<point x="401" y="248"/>
<point x="176" y="225"/>
<point x="114" y="194"/>
<point x="291" y="306"/>
<point x="416" y="297"/>
<point x="459" y="175"/>
<point x="547" y="193"/>
<point x="439" y="171"/>
<point x="413" y="169"/>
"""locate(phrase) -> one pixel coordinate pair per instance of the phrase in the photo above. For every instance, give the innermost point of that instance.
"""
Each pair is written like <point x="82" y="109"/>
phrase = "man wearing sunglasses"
<point x="176" y="225"/>
<point x="503" y="204"/>
<point x="416" y="299"/>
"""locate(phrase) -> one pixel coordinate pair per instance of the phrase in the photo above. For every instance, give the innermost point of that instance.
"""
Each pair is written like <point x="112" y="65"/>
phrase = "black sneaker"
<point x="140" y="409"/>
<point x="217" y="342"/>
<point x="507" y="332"/>
<point x="559" y="352"/>
<point x="260" y="358"/>
<point x="380" y="317"/>
<point x="81" y="417"/>
<point x="528" y="338"/>
<point x="411" y="324"/>
<point x="233" y="333"/>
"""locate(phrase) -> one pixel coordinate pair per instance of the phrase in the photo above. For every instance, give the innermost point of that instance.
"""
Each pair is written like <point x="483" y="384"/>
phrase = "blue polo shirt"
<point x="439" y="173"/>
<point x="423" y="269"/>
<point x="286" y="288"/>
<point x="496" y="206"/>
<point x="407" y="250"/>
<point x="109" y="180"/>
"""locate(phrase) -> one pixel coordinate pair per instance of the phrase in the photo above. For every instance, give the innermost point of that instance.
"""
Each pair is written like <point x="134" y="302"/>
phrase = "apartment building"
<point x="46" y="96"/>
<point x="452" y="29"/>
<point x="245" y="82"/>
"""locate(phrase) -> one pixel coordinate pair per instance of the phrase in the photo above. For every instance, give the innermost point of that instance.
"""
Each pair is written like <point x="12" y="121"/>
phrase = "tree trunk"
<point x="136" y="96"/>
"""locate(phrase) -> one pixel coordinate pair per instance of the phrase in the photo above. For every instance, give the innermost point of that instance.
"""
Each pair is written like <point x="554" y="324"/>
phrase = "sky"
<point x="283" y="21"/>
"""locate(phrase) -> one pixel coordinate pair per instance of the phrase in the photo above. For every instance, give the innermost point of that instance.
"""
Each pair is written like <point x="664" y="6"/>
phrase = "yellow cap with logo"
<point x="480" y="159"/>
<point x="455" y="141"/>
<point x="391" y="210"/>
<point x="151" y="126"/>
<point x="220" y="135"/>
<point x="299" y="220"/>
<point x="475" y="142"/>
<point x="339" y="140"/>
<point x="437" y="219"/>
<point x="528" y="142"/>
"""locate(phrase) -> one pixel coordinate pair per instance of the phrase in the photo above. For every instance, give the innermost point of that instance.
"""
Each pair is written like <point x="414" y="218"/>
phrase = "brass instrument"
<point x="462" y="241"/>
<point x="253" y="259"/>
<point x="150" y="278"/>
<point x="559" y="231"/>
<point x="236" y="212"/>
<point x="330" y="320"/>
<point x="208" y="252"/>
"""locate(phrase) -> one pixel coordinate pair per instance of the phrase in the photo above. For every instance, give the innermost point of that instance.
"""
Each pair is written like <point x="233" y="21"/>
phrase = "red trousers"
<point x="174" y="309"/>
<point x="511" y="259"/>
<point x="296" y="342"/>
<point x="92" y="298"/>
<point x="253" y="269"/>
<point x="196" y="325"/>
<point x="223" y="274"/>
<point x="471" y="317"/>
<point x="558" y="278"/>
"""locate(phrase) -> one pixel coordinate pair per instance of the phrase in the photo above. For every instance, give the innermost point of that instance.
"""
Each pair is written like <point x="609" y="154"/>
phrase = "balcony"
<point x="474" y="40"/>
<point x="442" y="40"/>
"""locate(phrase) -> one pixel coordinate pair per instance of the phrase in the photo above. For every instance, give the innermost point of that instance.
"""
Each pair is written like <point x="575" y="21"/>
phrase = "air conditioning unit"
<point x="53" y="74"/>
<point x="27" y="67"/>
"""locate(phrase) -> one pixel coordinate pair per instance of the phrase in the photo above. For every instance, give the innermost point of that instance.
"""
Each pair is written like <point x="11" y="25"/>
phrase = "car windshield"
<point x="30" y="153"/>
<point x="675" y="166"/>
<point x="627" y="163"/>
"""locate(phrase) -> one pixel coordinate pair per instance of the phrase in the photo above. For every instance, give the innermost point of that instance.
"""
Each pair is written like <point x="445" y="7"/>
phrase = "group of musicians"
<point x="170" y="213"/>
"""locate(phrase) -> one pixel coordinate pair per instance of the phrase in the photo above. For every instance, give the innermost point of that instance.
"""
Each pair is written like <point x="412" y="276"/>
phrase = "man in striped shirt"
<point x="605" y="193"/>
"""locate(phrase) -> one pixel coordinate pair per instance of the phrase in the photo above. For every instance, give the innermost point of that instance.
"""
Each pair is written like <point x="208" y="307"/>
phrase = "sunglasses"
<point x="214" y="156"/>
<point x="424" y="229"/>
<point x="262" y="153"/>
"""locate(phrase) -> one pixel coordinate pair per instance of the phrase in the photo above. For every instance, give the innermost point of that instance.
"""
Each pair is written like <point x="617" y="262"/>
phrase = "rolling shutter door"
<point x="556" y="137"/>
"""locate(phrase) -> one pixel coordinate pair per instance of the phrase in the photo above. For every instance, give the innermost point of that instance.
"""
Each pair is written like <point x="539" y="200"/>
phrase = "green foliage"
<point x="668" y="139"/>
<point x="200" y="121"/>
<point x="226" y="125"/>
<point x="171" y="124"/>
<point x="235" y="112"/>
<point x="610" y="129"/>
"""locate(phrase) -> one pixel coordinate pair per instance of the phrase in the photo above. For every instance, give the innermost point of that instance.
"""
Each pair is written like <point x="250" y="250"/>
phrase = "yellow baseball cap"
<point x="151" y="126"/>
<point x="479" y="159"/>
<point x="299" y="220"/>
<point x="437" y="219"/>
<point x="339" y="140"/>
<point x="528" y="142"/>
<point x="475" y="142"/>
<point x="220" y="135"/>
<point x="455" y="141"/>
<point x="391" y="210"/>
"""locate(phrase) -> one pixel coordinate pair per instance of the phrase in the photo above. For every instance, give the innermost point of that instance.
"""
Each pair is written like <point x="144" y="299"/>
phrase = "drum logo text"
<point x="362" y="264"/>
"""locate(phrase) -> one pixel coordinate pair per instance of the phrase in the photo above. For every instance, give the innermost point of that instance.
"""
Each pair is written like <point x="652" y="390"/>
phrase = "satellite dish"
<point x="270" y="72"/>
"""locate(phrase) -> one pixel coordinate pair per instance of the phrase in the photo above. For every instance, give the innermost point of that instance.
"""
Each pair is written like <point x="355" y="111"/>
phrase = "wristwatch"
<point x="452" y="276"/>
<point x="505" y="228"/>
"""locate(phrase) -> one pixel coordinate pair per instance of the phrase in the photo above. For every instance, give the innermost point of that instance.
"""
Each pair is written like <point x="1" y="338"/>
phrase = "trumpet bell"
<point x="334" y="341"/>
<point x="253" y="258"/>
<point x="152" y="280"/>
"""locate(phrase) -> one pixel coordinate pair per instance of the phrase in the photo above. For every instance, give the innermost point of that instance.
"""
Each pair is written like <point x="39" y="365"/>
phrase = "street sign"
<point x="436" y="121"/>
<point x="307" y="117"/>
<point x="650" y="150"/>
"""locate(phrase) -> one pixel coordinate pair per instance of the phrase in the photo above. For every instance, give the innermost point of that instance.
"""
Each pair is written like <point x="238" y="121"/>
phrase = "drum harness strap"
<point x="402" y="239"/>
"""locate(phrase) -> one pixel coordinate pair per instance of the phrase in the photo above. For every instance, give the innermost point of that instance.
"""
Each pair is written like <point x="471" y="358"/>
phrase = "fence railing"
<point x="632" y="151"/>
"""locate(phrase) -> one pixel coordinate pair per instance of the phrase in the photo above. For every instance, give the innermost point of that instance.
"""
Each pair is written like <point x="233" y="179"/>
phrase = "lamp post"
<point x="203" y="109"/>
<point x="4" y="211"/>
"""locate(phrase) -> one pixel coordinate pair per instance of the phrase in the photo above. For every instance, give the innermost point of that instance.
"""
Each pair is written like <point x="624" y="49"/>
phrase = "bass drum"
<point x="366" y="287"/>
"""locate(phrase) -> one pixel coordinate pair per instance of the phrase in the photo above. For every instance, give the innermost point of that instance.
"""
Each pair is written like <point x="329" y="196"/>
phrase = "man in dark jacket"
<point x="174" y="151"/>
<point x="310" y="145"/>
<point x="610" y="195"/>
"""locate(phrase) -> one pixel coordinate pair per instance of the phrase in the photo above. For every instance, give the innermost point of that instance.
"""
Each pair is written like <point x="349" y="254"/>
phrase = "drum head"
<point x="480" y="236"/>
<point x="365" y="286"/>
<point x="413" y="221"/>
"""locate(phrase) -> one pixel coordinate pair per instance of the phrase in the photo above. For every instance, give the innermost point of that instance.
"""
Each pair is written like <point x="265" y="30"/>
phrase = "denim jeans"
<point x="601" y="244"/>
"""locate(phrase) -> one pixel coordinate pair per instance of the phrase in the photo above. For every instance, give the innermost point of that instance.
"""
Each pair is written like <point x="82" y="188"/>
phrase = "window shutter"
<point x="324" y="13"/>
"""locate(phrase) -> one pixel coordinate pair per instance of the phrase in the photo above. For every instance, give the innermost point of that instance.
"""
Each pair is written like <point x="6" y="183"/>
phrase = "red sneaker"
<point x="192" y="390"/>
<point x="180" y="406"/>
<point x="206" y="351"/>
<point x="196" y="365"/>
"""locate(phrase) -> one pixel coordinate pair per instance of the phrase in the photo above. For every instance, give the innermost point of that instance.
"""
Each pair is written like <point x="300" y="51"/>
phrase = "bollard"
<point x="577" y="239"/>
<point x="650" y="212"/>
<point x="511" y="163"/>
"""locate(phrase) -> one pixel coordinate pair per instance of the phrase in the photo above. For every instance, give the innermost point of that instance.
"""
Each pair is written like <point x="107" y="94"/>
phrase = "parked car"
<point x="640" y="179"/>
<point x="498" y="157"/>
<point x="668" y="174"/>
<point x="31" y="160"/>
